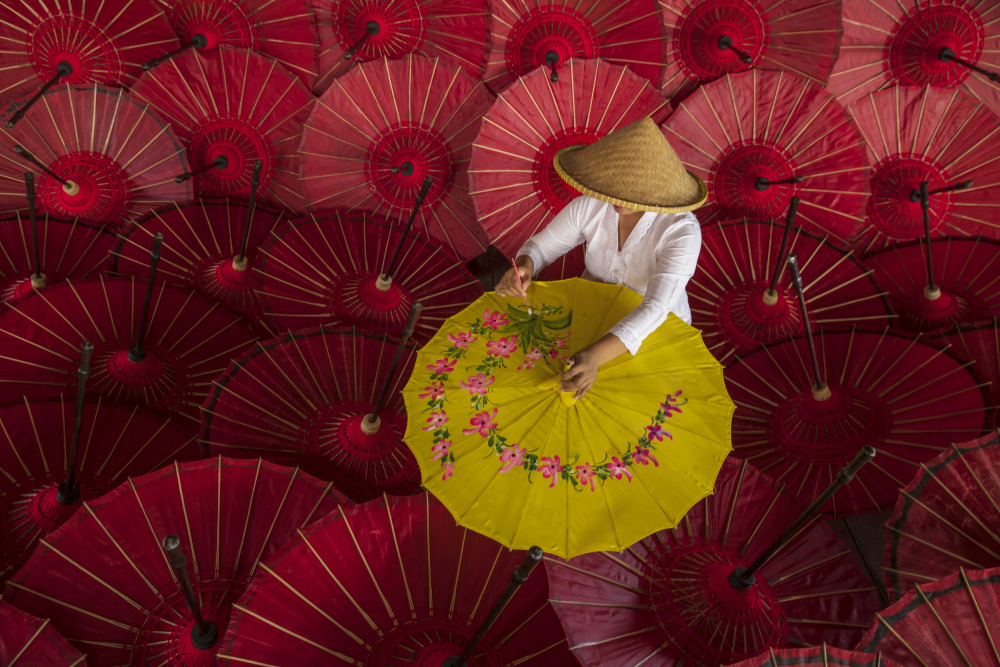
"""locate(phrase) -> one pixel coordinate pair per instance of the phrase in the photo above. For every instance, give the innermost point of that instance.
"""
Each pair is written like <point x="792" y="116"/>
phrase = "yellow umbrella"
<point x="516" y="460"/>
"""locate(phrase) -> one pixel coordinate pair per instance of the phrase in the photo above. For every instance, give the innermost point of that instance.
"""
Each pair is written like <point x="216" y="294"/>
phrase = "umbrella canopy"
<point x="26" y="640"/>
<point x="117" y="159"/>
<point x="927" y="134"/>
<point x="202" y="238"/>
<point x="816" y="655"/>
<point x="103" y="42"/>
<point x="188" y="340"/>
<point x="231" y="108"/>
<point x="489" y="427"/>
<point x="105" y="582"/>
<point x="981" y="347"/>
<point x="389" y="582"/>
<point x="946" y="517"/>
<point x="321" y="270"/>
<point x="453" y="30"/>
<point x="709" y="38"/>
<point x="768" y="129"/>
<point x="66" y="249"/>
<point x="735" y="269"/>
<point x="904" y="398"/>
<point x="300" y="399"/>
<point x="381" y="129"/>
<point x="544" y="34"/>
<point x="512" y="181"/>
<point x="953" y="621"/>
<point x="667" y="599"/>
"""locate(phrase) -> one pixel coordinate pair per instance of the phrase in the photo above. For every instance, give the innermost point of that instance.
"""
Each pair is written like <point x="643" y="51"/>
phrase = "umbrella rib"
<point x="371" y="575"/>
<point x="943" y="625"/>
<point x="301" y="638"/>
<point x="305" y="540"/>
<point x="651" y="628"/>
<point x="62" y="603"/>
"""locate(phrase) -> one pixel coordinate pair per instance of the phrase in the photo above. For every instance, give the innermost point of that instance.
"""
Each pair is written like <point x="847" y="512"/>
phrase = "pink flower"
<point x="477" y="384"/>
<point x="502" y="347"/>
<point x="560" y="342"/>
<point x="553" y="353"/>
<point x="463" y="339"/>
<point x="482" y="423"/>
<point x="436" y="420"/>
<point x="551" y="467"/>
<point x="526" y="365"/>
<point x="443" y="366"/>
<point x="434" y="391"/>
<point x="448" y="468"/>
<point x="441" y="449"/>
<point x="494" y="320"/>
<point x="534" y="354"/>
<point x="586" y="474"/>
<point x="668" y="405"/>
<point x="644" y="456"/>
<point x="655" y="431"/>
<point x="618" y="468"/>
<point x="513" y="457"/>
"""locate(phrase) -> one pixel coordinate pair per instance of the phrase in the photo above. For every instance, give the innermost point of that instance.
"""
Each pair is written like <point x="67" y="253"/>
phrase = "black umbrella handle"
<point x="68" y="493"/>
<point x="70" y="187"/>
<point x="820" y="391"/>
<point x="947" y="55"/>
<point x="385" y="279"/>
<point x="372" y="28"/>
<point x="726" y="44"/>
<point x="137" y="352"/>
<point x="551" y="60"/>
<point x="240" y="261"/>
<point x="37" y="277"/>
<point x="931" y="291"/>
<point x="770" y="296"/>
<point x="204" y="633"/>
<point x="220" y="162"/>
<point x="63" y="69"/>
<point x="198" y="41"/>
<point x="370" y="423"/>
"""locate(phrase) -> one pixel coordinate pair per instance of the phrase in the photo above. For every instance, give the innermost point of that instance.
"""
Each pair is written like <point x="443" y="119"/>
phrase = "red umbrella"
<point x="753" y="136"/>
<point x="391" y="582"/>
<point x="888" y="43"/>
<point x="33" y="641"/>
<point x="668" y="599"/>
<point x="709" y="38"/>
<point x="231" y="108"/>
<point x="381" y="129"/>
<point x="352" y="31"/>
<point x="946" y="517"/>
<point x="980" y="346"/>
<point x="731" y="302"/>
<point x="321" y="270"/>
<point x="543" y="34"/>
<point x="816" y="655"/>
<point x="302" y="399"/>
<point x="952" y="621"/>
<point x="513" y="184"/>
<point x="105" y="582"/>
<point x="97" y="155"/>
<point x="202" y="238"/>
<point x="927" y="134"/>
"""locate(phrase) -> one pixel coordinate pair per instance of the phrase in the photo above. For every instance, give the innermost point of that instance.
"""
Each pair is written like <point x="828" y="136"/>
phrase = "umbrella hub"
<point x="79" y="41"/>
<point x="933" y="313"/>
<point x="21" y="288"/>
<point x="102" y="191"/>
<point x="241" y="143"/>
<point x="430" y="640"/>
<point x="356" y="297"/>
<point x="157" y="381"/>
<point x="829" y="431"/>
<point x="553" y="191"/>
<point x="397" y="183"/>
<point x="737" y="173"/>
<point x="220" y="22"/>
<point x="917" y="40"/>
<point x="27" y="522"/>
<point x="891" y="209"/>
<point x="747" y="320"/>
<point x="557" y="28"/>
<point x="400" y="27"/>
<point x="704" y="23"/>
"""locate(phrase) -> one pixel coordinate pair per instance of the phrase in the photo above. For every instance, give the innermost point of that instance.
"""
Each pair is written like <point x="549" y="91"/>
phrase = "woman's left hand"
<point x="582" y="373"/>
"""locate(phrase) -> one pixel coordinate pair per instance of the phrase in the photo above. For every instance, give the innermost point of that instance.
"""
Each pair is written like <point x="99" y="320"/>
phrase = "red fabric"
<point x="388" y="582"/>
<point x="104" y="42"/>
<point x="522" y="34"/>
<point x="532" y="121"/>
<point x="301" y="397"/>
<point x="216" y="111"/>
<point x="981" y="346"/>
<point x="617" y="610"/>
<point x="904" y="398"/>
<point x="382" y="115"/>
<point x="66" y="249"/>
<point x="453" y="30"/>
<point x="888" y="43"/>
<point x="734" y="271"/>
<point x="229" y="515"/>
<point x="773" y="125"/>
<point x="188" y="340"/>
<point x="570" y="265"/>
<point x="927" y="134"/>
<point x="201" y="238"/>
<point x="816" y="655"/>
<point x="320" y="270"/>
<point x="932" y="629"/>
<point x="800" y="36"/>
<point x="942" y="519"/>
<point x="32" y="641"/>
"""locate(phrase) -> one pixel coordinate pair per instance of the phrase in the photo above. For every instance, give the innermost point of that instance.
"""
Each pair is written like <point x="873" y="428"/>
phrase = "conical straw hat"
<point x="633" y="167"/>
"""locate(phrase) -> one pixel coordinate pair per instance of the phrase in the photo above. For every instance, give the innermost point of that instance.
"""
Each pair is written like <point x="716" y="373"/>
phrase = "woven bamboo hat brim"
<point x="633" y="167"/>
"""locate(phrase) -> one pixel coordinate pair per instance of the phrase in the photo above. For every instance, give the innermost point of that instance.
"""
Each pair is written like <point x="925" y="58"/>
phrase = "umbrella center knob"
<point x="935" y="312"/>
<point x="747" y="317"/>
<point x="77" y="40"/>
<point x="917" y="40"/>
<point x="396" y="31"/>
<point x="891" y="209"/>
<point x="20" y="289"/>
<point x="156" y="381"/>
<point x="557" y="28"/>
<point x="364" y="298"/>
<point x="816" y="429"/>
<point x="736" y="175"/>
<point x="399" y="160"/>
<point x="240" y="143"/>
<point x="100" y="190"/>
<point x="413" y="639"/>
<point x="704" y="24"/>
<point x="44" y="512"/>
<point x="553" y="191"/>
<point x="218" y="21"/>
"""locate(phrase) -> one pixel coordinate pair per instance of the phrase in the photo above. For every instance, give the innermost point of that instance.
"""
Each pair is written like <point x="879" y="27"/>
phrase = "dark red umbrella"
<point x="26" y="640"/>
<point x="953" y="621"/>
<point x="888" y="43"/>
<point x="230" y="108"/>
<point x="946" y="517"/>
<point x="105" y="582"/>
<point x="979" y="346"/>
<point x="512" y="181"/>
<point x="709" y="38"/>
<point x="937" y="136"/>
<point x="352" y="31"/>
<point x="543" y="34"/>
<point x="321" y="270"/>
<point x="752" y="136"/>
<point x="302" y="399"/>
<point x="669" y="600"/>
<point x="816" y="655"/>
<point x="381" y="129"/>
<point x="392" y="582"/>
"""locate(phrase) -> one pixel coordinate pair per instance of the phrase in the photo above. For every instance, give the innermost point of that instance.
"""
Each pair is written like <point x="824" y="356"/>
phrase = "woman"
<point x="635" y="218"/>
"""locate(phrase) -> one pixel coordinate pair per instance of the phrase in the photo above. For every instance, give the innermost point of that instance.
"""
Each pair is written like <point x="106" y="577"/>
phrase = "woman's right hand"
<point x="509" y="286"/>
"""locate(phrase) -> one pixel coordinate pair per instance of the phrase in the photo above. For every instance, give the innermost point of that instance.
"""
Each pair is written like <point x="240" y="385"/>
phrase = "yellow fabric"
<point x="511" y="459"/>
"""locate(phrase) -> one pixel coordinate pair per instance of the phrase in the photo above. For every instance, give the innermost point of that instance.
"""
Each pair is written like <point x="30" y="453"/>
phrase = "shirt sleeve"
<point x="563" y="233"/>
<point x="676" y="261"/>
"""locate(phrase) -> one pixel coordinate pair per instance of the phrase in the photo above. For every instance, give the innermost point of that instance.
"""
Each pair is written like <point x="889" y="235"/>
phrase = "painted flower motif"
<point x="668" y="406"/>
<point x="493" y="320"/>
<point x="443" y="366"/>
<point x="551" y="467"/>
<point x="482" y="422"/>
<point x="586" y="474"/>
<point x="462" y="340"/>
<point x="618" y="468"/>
<point x="502" y="347"/>
<point x="512" y="457"/>
<point x="644" y="456"/>
<point x="535" y="354"/>
<point x="434" y="391"/>
<point x="526" y="365"/>
<point x="656" y="432"/>
<point x="560" y="342"/>
<point x="440" y="449"/>
<point x="436" y="420"/>
<point x="477" y="384"/>
<point x="448" y="468"/>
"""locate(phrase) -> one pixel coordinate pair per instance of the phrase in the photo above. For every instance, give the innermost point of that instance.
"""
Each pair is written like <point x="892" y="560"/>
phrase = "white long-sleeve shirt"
<point x="657" y="260"/>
